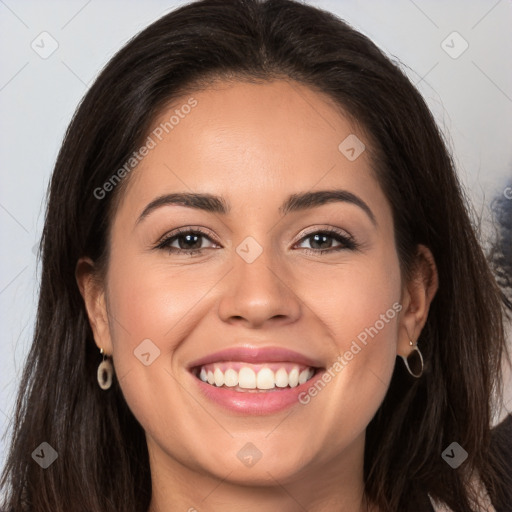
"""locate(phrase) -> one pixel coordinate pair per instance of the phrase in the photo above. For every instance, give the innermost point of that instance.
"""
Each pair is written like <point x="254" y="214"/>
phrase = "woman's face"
<point x="256" y="302"/>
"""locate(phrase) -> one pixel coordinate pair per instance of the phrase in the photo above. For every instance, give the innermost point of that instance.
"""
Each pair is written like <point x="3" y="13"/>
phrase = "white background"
<point x="471" y="97"/>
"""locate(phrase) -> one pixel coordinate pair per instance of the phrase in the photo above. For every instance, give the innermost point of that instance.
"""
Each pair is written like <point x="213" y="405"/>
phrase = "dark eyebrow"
<point x="205" y="202"/>
<point x="303" y="201"/>
<point x="296" y="202"/>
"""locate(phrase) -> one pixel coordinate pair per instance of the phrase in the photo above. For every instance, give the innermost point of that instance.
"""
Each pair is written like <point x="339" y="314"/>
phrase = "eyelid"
<point x="200" y="230"/>
<point x="348" y="240"/>
<point x="326" y="229"/>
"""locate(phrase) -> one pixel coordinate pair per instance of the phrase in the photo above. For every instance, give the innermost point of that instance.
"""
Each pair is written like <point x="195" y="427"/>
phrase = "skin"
<point x="255" y="144"/>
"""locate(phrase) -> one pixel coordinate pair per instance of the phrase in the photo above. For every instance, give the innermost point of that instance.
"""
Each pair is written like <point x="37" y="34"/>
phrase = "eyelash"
<point x="346" y="240"/>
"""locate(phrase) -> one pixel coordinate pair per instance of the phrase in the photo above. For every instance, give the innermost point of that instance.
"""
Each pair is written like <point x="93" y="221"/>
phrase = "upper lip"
<point x="251" y="354"/>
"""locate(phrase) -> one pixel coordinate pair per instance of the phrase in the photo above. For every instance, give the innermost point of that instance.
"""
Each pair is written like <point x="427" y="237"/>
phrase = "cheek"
<point x="357" y="379"/>
<point x="152" y="301"/>
<point x="152" y="307"/>
<point x="361" y="308"/>
<point x="368" y="326"/>
<point x="351" y="297"/>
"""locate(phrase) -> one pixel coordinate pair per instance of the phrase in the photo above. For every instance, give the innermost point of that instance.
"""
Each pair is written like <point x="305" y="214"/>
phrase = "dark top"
<point x="501" y="436"/>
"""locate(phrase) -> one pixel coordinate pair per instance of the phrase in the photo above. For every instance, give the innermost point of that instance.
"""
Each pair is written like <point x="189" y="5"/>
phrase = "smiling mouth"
<point x="254" y="378"/>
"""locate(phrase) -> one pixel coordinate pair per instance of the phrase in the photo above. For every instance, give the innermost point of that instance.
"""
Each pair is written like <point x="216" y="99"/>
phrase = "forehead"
<point x="250" y="141"/>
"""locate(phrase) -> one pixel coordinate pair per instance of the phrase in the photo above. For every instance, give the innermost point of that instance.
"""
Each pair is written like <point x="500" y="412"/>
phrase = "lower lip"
<point x="258" y="403"/>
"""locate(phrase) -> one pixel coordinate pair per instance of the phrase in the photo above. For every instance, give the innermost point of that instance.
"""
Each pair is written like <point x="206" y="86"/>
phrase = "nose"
<point x="255" y="293"/>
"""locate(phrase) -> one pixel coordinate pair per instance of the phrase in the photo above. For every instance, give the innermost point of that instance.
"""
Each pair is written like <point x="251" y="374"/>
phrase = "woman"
<point x="252" y="215"/>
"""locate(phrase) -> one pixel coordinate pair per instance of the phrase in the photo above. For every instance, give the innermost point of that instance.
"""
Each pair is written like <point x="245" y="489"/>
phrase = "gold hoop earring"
<point x="105" y="372"/>
<point x="418" y="363"/>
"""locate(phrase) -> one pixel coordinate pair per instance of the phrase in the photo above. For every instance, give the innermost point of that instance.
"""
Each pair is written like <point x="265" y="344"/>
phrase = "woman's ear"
<point x="93" y="293"/>
<point x="417" y="296"/>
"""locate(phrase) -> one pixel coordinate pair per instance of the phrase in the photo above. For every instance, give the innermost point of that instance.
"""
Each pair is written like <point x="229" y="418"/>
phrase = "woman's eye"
<point x="322" y="242"/>
<point x="186" y="242"/>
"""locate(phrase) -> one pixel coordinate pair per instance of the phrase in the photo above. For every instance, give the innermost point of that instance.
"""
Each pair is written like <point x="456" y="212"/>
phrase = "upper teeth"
<point x="264" y="378"/>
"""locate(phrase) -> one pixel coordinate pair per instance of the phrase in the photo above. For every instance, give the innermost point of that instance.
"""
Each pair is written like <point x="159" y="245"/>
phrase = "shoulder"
<point x="501" y="443"/>
<point x="502" y="434"/>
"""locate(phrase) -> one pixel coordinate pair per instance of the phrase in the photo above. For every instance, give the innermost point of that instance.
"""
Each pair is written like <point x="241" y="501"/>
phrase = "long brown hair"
<point x="102" y="463"/>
